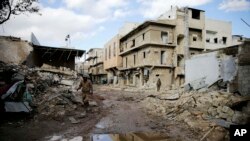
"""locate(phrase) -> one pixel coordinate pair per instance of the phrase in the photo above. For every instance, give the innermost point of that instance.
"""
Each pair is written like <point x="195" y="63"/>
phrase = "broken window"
<point x="195" y="38"/>
<point x="105" y="53"/>
<point x="126" y="62"/>
<point x="215" y="40"/>
<point x="224" y="40"/>
<point x="114" y="51"/>
<point x="144" y="54"/>
<point x="163" y="58"/>
<point x="134" y="59"/>
<point x="195" y="14"/>
<point x="133" y="43"/>
<point x="109" y="52"/>
<point x="164" y="37"/>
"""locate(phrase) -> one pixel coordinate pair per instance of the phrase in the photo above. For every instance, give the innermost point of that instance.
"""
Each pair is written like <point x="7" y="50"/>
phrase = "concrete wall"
<point x="218" y="29"/>
<point x="13" y="50"/>
<point x="203" y="65"/>
<point x="114" y="60"/>
<point x="196" y="23"/>
<point x="244" y="80"/>
<point x="152" y="57"/>
<point x="151" y="34"/>
<point x="244" y="68"/>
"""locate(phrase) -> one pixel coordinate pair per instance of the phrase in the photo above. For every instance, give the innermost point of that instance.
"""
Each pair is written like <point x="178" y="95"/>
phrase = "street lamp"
<point x="67" y="39"/>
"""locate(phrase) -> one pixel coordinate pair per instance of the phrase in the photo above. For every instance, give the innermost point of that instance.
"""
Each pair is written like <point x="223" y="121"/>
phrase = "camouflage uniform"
<point x="86" y="90"/>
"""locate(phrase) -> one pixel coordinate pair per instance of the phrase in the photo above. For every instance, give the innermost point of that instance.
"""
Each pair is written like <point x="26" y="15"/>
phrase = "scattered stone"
<point x="56" y="138"/>
<point x="169" y="97"/>
<point x="93" y="103"/>
<point x="78" y="138"/>
<point x="82" y="115"/>
<point x="73" y="120"/>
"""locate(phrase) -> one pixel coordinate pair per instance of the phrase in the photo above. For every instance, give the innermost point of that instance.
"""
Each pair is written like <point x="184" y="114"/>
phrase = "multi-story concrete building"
<point x="158" y="48"/>
<point x="112" y="59"/>
<point x="96" y="70"/>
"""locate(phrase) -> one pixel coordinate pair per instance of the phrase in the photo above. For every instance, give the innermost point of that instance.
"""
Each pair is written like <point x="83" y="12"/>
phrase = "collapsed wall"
<point x="14" y="50"/>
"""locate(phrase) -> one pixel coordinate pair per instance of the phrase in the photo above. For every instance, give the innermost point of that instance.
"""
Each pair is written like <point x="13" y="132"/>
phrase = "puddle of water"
<point x="130" y="137"/>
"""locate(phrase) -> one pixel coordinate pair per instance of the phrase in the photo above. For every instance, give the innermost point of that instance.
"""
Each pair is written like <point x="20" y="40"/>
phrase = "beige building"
<point x="96" y="68"/>
<point x="156" y="49"/>
<point x="112" y="60"/>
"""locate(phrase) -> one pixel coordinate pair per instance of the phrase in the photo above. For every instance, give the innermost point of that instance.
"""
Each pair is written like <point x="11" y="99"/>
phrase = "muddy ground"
<point x="117" y="112"/>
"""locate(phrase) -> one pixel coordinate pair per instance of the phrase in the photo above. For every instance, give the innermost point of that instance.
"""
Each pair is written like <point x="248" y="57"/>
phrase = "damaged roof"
<point x="65" y="53"/>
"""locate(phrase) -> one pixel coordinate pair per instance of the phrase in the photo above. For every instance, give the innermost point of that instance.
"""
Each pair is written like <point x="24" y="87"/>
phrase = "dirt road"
<point x="118" y="112"/>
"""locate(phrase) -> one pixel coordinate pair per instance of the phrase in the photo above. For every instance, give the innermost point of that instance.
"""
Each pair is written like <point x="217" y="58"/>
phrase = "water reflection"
<point x="130" y="137"/>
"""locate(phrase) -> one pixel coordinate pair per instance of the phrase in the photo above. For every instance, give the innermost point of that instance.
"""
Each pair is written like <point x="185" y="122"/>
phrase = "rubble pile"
<point x="200" y="108"/>
<point x="53" y="92"/>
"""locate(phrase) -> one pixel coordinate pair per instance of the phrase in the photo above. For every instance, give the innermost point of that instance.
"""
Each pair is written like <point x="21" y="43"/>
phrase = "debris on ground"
<point x="53" y="92"/>
<point x="200" y="110"/>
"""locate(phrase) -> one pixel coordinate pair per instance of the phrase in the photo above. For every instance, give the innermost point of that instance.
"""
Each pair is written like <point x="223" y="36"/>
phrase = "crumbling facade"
<point x="158" y="49"/>
<point x="112" y="59"/>
<point x="228" y="68"/>
<point x="96" y="69"/>
<point x="17" y="51"/>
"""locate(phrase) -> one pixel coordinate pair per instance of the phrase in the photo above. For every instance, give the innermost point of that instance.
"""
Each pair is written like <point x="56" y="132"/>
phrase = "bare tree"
<point x="16" y="7"/>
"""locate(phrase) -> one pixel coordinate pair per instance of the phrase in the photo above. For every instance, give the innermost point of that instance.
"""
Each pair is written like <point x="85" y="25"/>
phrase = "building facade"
<point x="96" y="69"/>
<point x="112" y="59"/>
<point x="158" y="48"/>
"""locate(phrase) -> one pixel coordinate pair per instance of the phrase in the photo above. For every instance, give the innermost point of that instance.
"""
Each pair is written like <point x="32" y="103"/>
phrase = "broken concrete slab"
<point x="73" y="120"/>
<point x="78" y="138"/>
<point x="169" y="96"/>
<point x="67" y="82"/>
<point x="93" y="103"/>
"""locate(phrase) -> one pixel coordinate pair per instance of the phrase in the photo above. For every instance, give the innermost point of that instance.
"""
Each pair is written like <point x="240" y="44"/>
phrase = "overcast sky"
<point x="91" y="23"/>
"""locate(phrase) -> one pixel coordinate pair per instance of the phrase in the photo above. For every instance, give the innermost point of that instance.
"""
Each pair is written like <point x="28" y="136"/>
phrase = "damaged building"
<point x="112" y="59"/>
<point x="158" y="48"/>
<point x="96" y="70"/>
<point x="35" y="55"/>
<point x="227" y="68"/>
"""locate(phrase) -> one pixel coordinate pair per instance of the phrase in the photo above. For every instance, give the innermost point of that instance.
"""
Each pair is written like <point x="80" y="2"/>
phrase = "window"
<point x="144" y="54"/>
<point x="109" y="52"/>
<point x="195" y="14"/>
<point x="133" y="43"/>
<point x="134" y="59"/>
<point x="224" y="40"/>
<point x="105" y="53"/>
<point x="114" y="50"/>
<point x="194" y="38"/>
<point x="164" y="37"/>
<point x="126" y="62"/>
<point x="207" y="40"/>
<point x="215" y="40"/>
<point x="143" y="36"/>
<point x="163" y="58"/>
